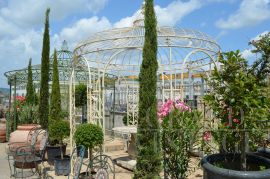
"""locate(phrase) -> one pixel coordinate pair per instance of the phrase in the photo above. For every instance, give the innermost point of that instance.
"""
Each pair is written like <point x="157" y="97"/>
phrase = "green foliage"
<point x="148" y="133"/>
<point x="55" y="105"/>
<point x="262" y="65"/>
<point x="238" y="99"/>
<point x="58" y="130"/>
<point x="89" y="135"/>
<point x="81" y="98"/>
<point x="30" y="91"/>
<point x="44" y="86"/>
<point x="80" y="95"/>
<point x="179" y="132"/>
<point x="28" y="114"/>
<point x="125" y="120"/>
<point x="64" y="114"/>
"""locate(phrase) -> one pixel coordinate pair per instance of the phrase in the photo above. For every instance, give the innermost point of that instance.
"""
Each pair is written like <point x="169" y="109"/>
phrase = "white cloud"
<point x="21" y="28"/>
<point x="227" y="1"/>
<point x="259" y="35"/>
<point x="250" y="13"/>
<point x="16" y="52"/>
<point x="127" y="21"/>
<point x="166" y="16"/>
<point x="30" y="12"/>
<point x="169" y="15"/>
<point x="221" y="34"/>
<point x="8" y="28"/>
<point x="84" y="28"/>
<point x="175" y="11"/>
<point x="247" y="54"/>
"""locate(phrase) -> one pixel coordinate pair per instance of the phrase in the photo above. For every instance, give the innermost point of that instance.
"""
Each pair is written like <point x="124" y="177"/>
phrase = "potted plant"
<point x="238" y="100"/>
<point x="58" y="130"/>
<point x="90" y="136"/>
<point x="180" y="128"/>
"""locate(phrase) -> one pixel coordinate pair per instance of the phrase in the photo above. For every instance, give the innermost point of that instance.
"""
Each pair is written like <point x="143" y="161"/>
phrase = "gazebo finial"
<point x="139" y="20"/>
<point x="64" y="46"/>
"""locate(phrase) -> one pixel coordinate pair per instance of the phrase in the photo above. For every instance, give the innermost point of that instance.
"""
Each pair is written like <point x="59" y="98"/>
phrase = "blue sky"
<point x="233" y="23"/>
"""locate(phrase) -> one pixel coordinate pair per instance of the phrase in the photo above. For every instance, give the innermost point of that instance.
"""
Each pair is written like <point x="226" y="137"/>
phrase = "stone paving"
<point x="196" y="172"/>
<point x="4" y="167"/>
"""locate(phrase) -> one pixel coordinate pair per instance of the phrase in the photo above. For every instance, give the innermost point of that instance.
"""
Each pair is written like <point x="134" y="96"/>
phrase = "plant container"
<point x="227" y="166"/>
<point x="54" y="151"/>
<point x="62" y="166"/>
<point x="264" y="152"/>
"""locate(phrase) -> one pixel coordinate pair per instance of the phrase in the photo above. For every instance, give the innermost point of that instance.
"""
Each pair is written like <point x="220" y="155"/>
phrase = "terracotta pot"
<point x="2" y="139"/>
<point x="3" y="120"/>
<point x="21" y="135"/>
<point x="26" y="127"/>
<point x="2" y="132"/>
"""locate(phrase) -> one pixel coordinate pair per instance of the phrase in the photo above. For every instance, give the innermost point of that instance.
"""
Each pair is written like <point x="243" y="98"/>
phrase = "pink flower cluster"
<point x="20" y="98"/>
<point x="170" y="105"/>
<point x="207" y="136"/>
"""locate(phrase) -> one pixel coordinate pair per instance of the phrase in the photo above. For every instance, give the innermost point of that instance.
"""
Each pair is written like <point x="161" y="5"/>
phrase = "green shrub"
<point x="58" y="130"/>
<point x="28" y="114"/>
<point x="89" y="135"/>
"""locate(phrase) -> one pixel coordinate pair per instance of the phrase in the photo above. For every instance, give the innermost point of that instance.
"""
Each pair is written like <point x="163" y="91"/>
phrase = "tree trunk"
<point x="243" y="151"/>
<point x="61" y="151"/>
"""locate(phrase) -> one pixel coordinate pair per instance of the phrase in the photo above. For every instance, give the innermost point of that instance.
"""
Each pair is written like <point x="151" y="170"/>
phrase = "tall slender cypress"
<point x="55" y="103"/>
<point x="44" y="83"/>
<point x="148" y="135"/>
<point x="30" y="91"/>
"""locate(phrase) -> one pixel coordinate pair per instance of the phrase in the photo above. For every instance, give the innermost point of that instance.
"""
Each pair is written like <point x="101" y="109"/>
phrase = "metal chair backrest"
<point x="78" y="161"/>
<point x="41" y="142"/>
<point x="103" y="163"/>
<point x="32" y="135"/>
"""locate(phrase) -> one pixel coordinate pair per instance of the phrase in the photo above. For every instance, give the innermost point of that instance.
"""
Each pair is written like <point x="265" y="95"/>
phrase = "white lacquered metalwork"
<point x="184" y="55"/>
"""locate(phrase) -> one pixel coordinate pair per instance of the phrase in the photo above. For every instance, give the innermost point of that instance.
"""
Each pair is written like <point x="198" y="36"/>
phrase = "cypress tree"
<point x="55" y="103"/>
<point x="30" y="91"/>
<point x="44" y="83"/>
<point x="148" y="135"/>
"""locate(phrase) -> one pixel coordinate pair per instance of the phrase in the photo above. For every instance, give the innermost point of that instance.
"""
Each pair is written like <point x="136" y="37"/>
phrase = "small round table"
<point x="132" y="131"/>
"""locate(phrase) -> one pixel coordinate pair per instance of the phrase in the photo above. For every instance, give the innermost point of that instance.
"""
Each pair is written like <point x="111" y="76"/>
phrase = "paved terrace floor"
<point x="195" y="173"/>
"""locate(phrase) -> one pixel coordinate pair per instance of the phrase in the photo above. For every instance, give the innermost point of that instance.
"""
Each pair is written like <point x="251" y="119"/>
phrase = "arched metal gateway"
<point x="112" y="59"/>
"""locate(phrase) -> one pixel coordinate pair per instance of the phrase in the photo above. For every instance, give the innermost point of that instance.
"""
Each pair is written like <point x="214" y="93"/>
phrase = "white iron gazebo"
<point x="114" y="56"/>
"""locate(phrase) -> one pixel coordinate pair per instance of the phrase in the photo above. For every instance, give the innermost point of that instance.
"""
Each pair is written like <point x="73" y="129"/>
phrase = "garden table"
<point x="131" y="131"/>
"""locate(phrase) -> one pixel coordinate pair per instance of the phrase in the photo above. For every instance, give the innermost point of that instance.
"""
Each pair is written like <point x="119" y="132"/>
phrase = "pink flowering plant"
<point x="180" y="128"/>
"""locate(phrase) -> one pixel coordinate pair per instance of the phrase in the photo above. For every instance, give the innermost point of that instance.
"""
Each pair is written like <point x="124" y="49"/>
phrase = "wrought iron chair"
<point x="103" y="165"/>
<point x="78" y="162"/>
<point x="12" y="147"/>
<point x="27" y="157"/>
